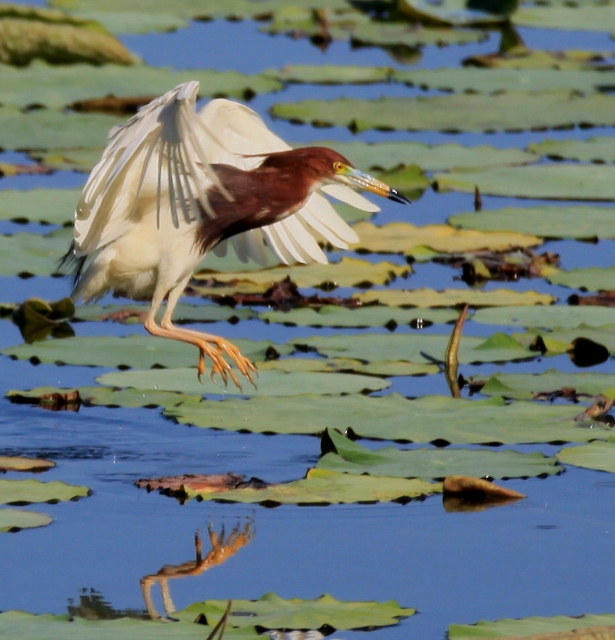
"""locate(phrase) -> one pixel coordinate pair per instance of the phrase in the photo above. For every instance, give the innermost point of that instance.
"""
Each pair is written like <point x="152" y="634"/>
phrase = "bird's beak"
<point x="360" y="180"/>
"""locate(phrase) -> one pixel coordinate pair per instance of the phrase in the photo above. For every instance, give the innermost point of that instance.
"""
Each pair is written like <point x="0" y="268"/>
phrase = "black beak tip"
<point x="396" y="196"/>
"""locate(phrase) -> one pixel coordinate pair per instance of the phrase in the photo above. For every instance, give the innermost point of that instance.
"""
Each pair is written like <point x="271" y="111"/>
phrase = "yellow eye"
<point x="338" y="167"/>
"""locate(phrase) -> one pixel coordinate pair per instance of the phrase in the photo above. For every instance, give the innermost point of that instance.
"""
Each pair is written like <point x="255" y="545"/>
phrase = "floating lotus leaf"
<point x="600" y="149"/>
<point x="513" y="110"/>
<point x="16" y="519"/>
<point x="525" y="386"/>
<point x="27" y="33"/>
<point x="548" y="181"/>
<point x="378" y="368"/>
<point x="546" y="316"/>
<point x="321" y="486"/>
<point x="547" y="221"/>
<point x="590" y="279"/>
<point x="68" y="159"/>
<point x="416" y="347"/>
<point x="589" y="17"/>
<point x="437" y="157"/>
<point x="272" y="612"/>
<point x="351" y="457"/>
<point x="436" y="419"/>
<point x="403" y="237"/>
<point x="17" y="463"/>
<point x="348" y="272"/>
<point x="453" y="297"/>
<point x="53" y="206"/>
<point x="61" y="86"/>
<point x="560" y="340"/>
<point x="273" y="383"/>
<point x="368" y="316"/>
<point x="594" y="455"/>
<point x="528" y="627"/>
<point x="28" y="491"/>
<point x="454" y="13"/>
<point x="26" y="626"/>
<point x="491" y="80"/>
<point x="135" y="351"/>
<point x="31" y="254"/>
<point x="331" y="74"/>
<point x="537" y="59"/>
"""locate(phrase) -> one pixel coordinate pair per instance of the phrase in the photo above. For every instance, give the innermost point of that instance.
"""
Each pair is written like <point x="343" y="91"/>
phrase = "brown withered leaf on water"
<point x="598" y="408"/>
<point x="464" y="493"/>
<point x="111" y="104"/>
<point x="8" y="169"/>
<point x="37" y="319"/>
<point x="177" y="486"/>
<point x="66" y="400"/>
<point x="601" y="299"/>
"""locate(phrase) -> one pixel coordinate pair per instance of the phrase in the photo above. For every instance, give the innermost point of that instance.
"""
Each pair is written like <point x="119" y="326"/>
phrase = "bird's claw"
<point x="221" y="367"/>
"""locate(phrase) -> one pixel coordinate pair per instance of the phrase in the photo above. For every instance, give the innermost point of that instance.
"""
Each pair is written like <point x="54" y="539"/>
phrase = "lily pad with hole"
<point x="367" y="316"/>
<point x="346" y="456"/>
<point x="272" y="612"/>
<point x="511" y="111"/>
<point x="29" y="491"/>
<point x="589" y="279"/>
<point x="348" y="272"/>
<point x="51" y="206"/>
<point x="525" y="386"/>
<point x="403" y="237"/>
<point x="545" y="181"/>
<point x="594" y="455"/>
<point x="384" y="368"/>
<point x="61" y="86"/>
<point x="12" y="520"/>
<point x="135" y="351"/>
<point x="453" y="297"/>
<point x="272" y="382"/>
<point x="431" y="419"/>
<point x="546" y="221"/>
<point x="599" y="149"/>
<point x="547" y="317"/>
<point x="534" y="626"/>
<point x="589" y="17"/>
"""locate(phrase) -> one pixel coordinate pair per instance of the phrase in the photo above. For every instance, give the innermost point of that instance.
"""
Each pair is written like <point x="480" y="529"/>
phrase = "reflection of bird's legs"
<point x="166" y="329"/>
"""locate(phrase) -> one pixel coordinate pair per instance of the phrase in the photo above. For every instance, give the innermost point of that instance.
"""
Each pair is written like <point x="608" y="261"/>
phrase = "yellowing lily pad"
<point x="61" y="159"/>
<point x="539" y="59"/>
<point x="12" y="520"/>
<point x="17" y="463"/>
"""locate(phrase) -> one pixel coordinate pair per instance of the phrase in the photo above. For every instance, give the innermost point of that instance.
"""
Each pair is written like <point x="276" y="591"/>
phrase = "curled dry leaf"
<point x="464" y="493"/>
<point x="598" y="408"/>
<point x="177" y="486"/>
<point x="66" y="400"/>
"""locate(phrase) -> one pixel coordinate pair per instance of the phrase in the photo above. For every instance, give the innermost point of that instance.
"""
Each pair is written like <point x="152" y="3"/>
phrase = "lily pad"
<point x="560" y="340"/>
<point x="28" y="254"/>
<point x="589" y="17"/>
<point x="601" y="149"/>
<point x="61" y="159"/>
<point x="351" y="457"/>
<point x="272" y="612"/>
<point x="377" y="368"/>
<point x="135" y="351"/>
<point x="511" y="111"/>
<point x="17" y="463"/>
<point x="61" y="86"/>
<point x="12" y="520"/>
<point x="453" y="297"/>
<point x="431" y="419"/>
<point x="331" y="74"/>
<point x="546" y="221"/>
<point x="540" y="59"/>
<point x="273" y="383"/>
<point x="403" y="237"/>
<point x="52" y="206"/>
<point x="547" y="317"/>
<point x="547" y="181"/>
<point x="367" y="316"/>
<point x="454" y="13"/>
<point x="348" y="272"/>
<point x="590" y="279"/>
<point x="594" y="455"/>
<point x="28" y="491"/>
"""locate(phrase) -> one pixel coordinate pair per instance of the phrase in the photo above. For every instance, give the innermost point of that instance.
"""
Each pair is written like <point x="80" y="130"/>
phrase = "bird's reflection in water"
<point x="223" y="547"/>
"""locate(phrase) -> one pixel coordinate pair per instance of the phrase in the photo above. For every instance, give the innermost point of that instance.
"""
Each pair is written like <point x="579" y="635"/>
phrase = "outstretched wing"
<point x="159" y="154"/>
<point x="243" y="140"/>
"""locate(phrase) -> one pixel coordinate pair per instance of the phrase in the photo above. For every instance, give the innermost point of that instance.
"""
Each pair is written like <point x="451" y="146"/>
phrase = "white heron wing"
<point x="159" y="154"/>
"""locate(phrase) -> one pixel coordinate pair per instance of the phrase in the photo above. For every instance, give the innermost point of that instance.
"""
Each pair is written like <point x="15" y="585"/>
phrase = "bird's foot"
<point x="220" y="366"/>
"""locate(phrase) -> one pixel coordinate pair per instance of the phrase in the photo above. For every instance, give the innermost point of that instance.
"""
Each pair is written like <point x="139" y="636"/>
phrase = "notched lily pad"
<point x="12" y="520"/>
<point x="29" y="491"/>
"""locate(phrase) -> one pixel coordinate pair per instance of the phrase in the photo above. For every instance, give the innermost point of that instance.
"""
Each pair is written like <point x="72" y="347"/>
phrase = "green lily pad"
<point x="384" y="368"/>
<point x="273" y="383"/>
<point x="82" y="160"/>
<point x="589" y="17"/>
<point x="547" y="221"/>
<point x="272" y="612"/>
<point x="348" y="272"/>
<point x="403" y="237"/>
<point x="560" y="340"/>
<point x="368" y="316"/>
<point x="28" y="491"/>
<point x="392" y="417"/>
<point x="524" y="386"/>
<point x="52" y="206"/>
<point x="503" y="112"/>
<point x="331" y="74"/>
<point x="61" y="86"/>
<point x="135" y="351"/>
<point x="594" y="455"/>
<point x="491" y="80"/>
<point x="538" y="59"/>
<point x="321" y="487"/>
<point x="527" y="626"/>
<point x="454" y="13"/>
<point x="453" y="297"/>
<point x="601" y="149"/>
<point x="548" y="181"/>
<point x="590" y="279"/>
<point x="437" y="157"/>
<point x="12" y="520"/>
<point x="17" y="463"/>
<point x="29" y="254"/>
<point x="351" y="457"/>
<point x="547" y="317"/>
<point x="26" y="626"/>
